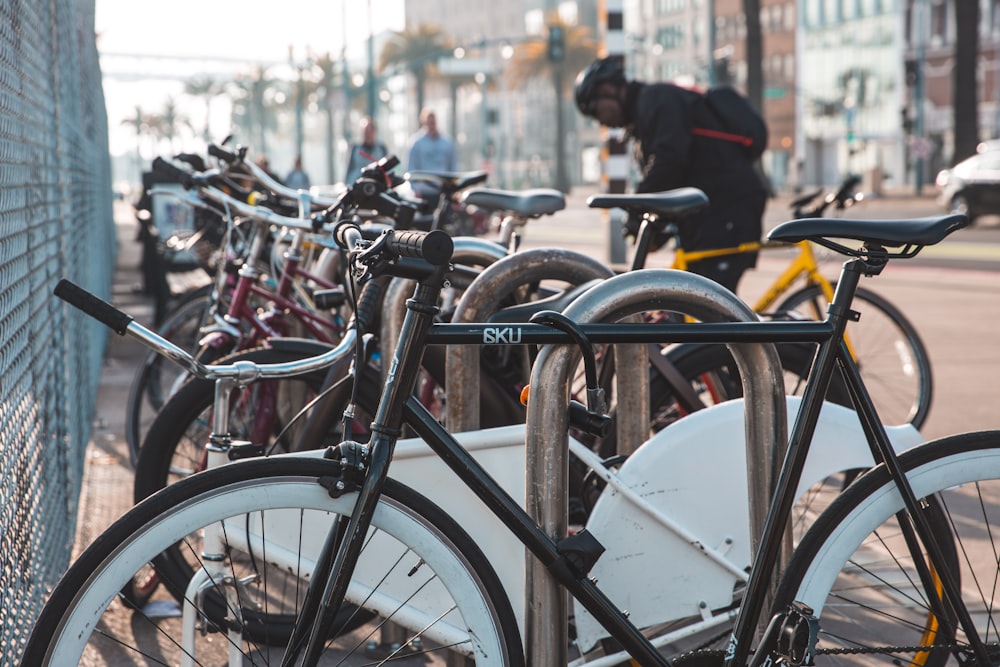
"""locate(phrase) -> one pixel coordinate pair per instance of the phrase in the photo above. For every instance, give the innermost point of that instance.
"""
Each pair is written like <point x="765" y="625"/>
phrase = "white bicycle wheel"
<point x="419" y="570"/>
<point x="854" y="571"/>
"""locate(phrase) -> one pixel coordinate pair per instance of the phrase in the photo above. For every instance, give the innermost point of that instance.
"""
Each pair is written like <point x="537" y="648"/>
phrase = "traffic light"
<point x="557" y="43"/>
<point x="907" y="121"/>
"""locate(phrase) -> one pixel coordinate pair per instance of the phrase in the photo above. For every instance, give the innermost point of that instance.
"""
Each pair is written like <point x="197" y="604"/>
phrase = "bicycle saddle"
<point x="673" y="204"/>
<point x="525" y="203"/>
<point x="892" y="233"/>
<point x="449" y="181"/>
<point x="524" y="311"/>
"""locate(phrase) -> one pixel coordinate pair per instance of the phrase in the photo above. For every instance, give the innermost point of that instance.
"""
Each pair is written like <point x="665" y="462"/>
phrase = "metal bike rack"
<point x="483" y="298"/>
<point x="546" y="639"/>
<point x="469" y="250"/>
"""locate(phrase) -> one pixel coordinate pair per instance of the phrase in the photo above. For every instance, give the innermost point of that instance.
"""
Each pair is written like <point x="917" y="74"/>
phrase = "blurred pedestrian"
<point x="430" y="151"/>
<point x="368" y="150"/>
<point x="297" y="178"/>
<point x="265" y="164"/>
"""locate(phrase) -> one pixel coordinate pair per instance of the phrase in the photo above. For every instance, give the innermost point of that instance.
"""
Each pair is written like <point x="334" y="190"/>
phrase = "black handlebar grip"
<point x="92" y="305"/>
<point x="221" y="153"/>
<point x="171" y="171"/>
<point x="434" y="247"/>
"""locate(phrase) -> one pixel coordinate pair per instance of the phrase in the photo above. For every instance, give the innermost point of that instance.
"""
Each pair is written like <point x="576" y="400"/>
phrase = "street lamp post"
<point x="483" y="80"/>
<point x="370" y="78"/>
<point x="920" y="33"/>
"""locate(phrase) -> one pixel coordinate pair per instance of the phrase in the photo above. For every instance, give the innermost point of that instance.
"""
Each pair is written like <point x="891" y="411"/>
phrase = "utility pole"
<point x="920" y="28"/>
<point x="710" y="32"/>
<point x="299" y="101"/>
<point x="370" y="78"/>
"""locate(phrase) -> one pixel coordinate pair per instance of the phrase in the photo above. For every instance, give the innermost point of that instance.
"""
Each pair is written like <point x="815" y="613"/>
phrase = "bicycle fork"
<point x="370" y="465"/>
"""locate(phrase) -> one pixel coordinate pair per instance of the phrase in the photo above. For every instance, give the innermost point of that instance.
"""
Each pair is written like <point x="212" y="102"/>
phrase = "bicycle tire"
<point x="410" y="535"/>
<point x="156" y="378"/>
<point x="713" y="375"/>
<point x="828" y="571"/>
<point x="890" y="354"/>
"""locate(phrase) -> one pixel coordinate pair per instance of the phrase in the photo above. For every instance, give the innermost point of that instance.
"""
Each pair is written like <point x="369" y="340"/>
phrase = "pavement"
<point x="107" y="480"/>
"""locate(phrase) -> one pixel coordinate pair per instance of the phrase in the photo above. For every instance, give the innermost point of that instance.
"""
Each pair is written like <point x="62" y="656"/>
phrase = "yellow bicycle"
<point x="887" y="347"/>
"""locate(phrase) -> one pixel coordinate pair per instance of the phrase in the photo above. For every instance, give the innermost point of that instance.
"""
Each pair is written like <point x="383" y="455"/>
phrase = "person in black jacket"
<point x="660" y="118"/>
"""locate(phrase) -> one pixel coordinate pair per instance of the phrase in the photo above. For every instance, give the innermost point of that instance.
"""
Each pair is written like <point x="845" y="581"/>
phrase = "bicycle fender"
<point x="693" y="473"/>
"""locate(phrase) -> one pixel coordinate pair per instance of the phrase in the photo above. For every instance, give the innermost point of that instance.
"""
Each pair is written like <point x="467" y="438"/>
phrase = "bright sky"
<point x="245" y="31"/>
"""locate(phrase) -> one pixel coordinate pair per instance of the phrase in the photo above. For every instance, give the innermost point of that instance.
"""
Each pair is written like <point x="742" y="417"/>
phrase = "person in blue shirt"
<point x="297" y="178"/>
<point x="430" y="151"/>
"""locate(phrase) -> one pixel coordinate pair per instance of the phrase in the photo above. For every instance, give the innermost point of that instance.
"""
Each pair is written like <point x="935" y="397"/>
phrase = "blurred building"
<point x="840" y="91"/>
<point x="508" y="132"/>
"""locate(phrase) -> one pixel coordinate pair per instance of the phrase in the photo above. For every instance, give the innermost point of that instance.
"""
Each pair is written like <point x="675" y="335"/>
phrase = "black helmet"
<point x="599" y="71"/>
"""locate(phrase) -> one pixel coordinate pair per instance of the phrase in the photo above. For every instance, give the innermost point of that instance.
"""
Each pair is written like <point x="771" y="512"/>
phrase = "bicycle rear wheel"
<point x="714" y="377"/>
<point x="893" y="360"/>
<point x="419" y="570"/>
<point x="853" y="571"/>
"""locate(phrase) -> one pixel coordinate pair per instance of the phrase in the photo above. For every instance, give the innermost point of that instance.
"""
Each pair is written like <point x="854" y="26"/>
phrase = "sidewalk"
<point x="107" y="479"/>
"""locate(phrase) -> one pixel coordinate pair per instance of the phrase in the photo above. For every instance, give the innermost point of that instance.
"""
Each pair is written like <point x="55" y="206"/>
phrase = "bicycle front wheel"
<point x="418" y="570"/>
<point x="893" y="360"/>
<point x="854" y="571"/>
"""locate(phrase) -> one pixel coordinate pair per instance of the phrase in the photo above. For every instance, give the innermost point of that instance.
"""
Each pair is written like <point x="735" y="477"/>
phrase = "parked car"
<point x="973" y="185"/>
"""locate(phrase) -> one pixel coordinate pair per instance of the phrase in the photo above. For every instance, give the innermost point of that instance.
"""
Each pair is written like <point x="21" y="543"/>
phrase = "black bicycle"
<point x="878" y="575"/>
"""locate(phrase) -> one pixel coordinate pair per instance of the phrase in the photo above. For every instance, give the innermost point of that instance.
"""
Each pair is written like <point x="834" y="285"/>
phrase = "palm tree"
<point x="329" y="71"/>
<point x="531" y="60"/>
<point x="416" y="51"/>
<point x="140" y="123"/>
<point x="168" y="124"/>
<point x="254" y="108"/>
<point x="207" y="88"/>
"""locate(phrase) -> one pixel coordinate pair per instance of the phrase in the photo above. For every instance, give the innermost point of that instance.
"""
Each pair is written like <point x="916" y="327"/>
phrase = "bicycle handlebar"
<point x="434" y="247"/>
<point x="843" y="197"/>
<point x="214" y="194"/>
<point x="92" y="305"/>
<point x="242" y="371"/>
<point x="265" y="179"/>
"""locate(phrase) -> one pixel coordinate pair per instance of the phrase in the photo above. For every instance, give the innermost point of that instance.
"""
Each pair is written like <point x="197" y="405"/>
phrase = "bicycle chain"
<point x="706" y="653"/>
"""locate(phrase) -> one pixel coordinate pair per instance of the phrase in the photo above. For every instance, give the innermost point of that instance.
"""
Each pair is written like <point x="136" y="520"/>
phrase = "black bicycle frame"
<point x="398" y="405"/>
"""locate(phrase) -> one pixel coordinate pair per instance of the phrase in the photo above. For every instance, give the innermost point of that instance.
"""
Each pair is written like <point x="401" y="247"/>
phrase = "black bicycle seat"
<point x="525" y="203"/>
<point x="449" y="181"/>
<point x="673" y="204"/>
<point x="524" y="311"/>
<point x="891" y="233"/>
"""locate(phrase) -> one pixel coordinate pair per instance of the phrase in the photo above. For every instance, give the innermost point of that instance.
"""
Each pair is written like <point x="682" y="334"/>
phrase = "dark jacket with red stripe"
<point x="660" y="118"/>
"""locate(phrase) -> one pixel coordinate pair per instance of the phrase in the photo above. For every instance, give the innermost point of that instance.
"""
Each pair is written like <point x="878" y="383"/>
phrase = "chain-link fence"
<point x="55" y="220"/>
